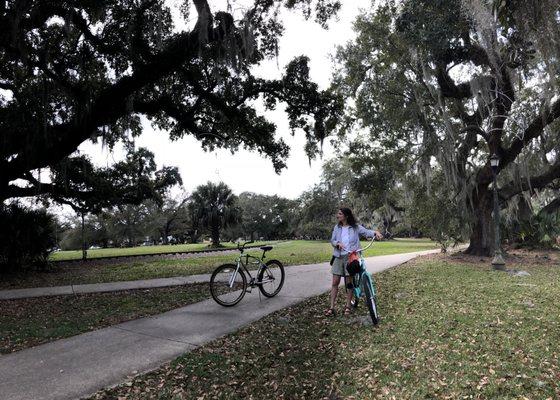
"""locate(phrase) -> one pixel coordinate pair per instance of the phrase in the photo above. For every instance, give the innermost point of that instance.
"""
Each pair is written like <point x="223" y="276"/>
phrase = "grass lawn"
<point x="451" y="329"/>
<point x="132" y="251"/>
<point x="289" y="253"/>
<point x="29" y="322"/>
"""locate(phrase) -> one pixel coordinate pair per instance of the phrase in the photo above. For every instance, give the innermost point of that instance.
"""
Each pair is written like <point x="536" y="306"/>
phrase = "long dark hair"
<point x="349" y="216"/>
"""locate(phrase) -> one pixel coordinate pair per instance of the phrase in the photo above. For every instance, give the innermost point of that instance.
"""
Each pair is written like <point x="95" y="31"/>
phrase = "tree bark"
<point x="166" y="231"/>
<point x="84" y="247"/>
<point x="215" y="232"/>
<point x="482" y="235"/>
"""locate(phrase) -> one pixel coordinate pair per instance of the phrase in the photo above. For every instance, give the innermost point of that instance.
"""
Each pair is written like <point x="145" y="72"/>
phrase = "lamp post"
<point x="498" y="260"/>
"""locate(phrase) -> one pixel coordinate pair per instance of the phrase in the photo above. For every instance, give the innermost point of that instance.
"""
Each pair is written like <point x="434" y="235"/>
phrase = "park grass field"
<point x="69" y="255"/>
<point x="297" y="252"/>
<point x="29" y="322"/>
<point x="451" y="328"/>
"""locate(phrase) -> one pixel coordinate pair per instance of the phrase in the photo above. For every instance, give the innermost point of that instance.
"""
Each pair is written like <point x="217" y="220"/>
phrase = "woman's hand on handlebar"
<point x="378" y="235"/>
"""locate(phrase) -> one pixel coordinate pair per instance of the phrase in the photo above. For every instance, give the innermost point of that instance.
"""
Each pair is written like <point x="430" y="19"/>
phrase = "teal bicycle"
<point x="364" y="287"/>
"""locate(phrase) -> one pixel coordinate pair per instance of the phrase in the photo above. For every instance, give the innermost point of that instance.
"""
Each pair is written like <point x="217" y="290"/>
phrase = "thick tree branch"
<point x="537" y="182"/>
<point x="448" y="87"/>
<point x="464" y="149"/>
<point x="504" y="99"/>
<point x="111" y="103"/>
<point x="184" y="117"/>
<point x="535" y="129"/>
<point x="40" y="188"/>
<point x="108" y="106"/>
<point x="7" y="86"/>
<point x="551" y="207"/>
<point x="476" y="129"/>
<point x="96" y="42"/>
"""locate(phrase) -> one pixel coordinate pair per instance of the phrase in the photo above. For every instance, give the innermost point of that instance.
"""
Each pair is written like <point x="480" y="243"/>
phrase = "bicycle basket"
<point x="353" y="266"/>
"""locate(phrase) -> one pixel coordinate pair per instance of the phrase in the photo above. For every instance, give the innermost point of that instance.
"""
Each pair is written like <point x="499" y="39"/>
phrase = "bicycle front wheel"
<point x="371" y="300"/>
<point x="228" y="285"/>
<point x="271" y="278"/>
<point x="356" y="295"/>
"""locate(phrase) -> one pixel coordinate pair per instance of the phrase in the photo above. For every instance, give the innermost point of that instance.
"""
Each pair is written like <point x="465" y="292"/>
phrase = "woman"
<point x="345" y="239"/>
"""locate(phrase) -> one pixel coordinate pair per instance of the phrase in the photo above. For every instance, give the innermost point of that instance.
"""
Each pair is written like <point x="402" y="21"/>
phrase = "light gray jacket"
<point x="355" y="232"/>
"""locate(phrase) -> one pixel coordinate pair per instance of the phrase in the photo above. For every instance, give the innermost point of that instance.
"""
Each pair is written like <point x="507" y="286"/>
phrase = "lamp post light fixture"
<point x="498" y="261"/>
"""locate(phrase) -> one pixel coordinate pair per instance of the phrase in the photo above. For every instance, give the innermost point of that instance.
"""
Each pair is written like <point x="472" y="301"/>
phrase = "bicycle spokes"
<point x="267" y="278"/>
<point x="271" y="278"/>
<point x="228" y="284"/>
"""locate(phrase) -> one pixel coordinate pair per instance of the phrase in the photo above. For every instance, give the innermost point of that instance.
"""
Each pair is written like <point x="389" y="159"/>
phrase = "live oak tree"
<point x="318" y="209"/>
<point x="452" y="82"/>
<point x="75" y="70"/>
<point x="269" y="217"/>
<point x="170" y="219"/>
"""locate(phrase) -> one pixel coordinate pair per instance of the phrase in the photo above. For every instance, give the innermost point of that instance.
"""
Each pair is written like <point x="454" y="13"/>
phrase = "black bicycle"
<point x="228" y="283"/>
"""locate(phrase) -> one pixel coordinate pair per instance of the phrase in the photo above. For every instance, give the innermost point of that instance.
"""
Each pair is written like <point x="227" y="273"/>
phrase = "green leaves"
<point x="72" y="72"/>
<point x="215" y="207"/>
<point x="77" y="182"/>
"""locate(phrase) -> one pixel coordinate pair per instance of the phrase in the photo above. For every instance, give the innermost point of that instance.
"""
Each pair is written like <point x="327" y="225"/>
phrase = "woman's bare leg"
<point x="334" y="289"/>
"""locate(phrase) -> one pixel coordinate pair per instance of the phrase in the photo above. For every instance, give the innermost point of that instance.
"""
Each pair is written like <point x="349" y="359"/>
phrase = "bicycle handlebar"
<point x="244" y="244"/>
<point x="367" y="247"/>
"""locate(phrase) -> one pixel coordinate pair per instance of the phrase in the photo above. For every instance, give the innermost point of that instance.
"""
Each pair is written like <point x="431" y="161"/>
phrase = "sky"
<point x="245" y="170"/>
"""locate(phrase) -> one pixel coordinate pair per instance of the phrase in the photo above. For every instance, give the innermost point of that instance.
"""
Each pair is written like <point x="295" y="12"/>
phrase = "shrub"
<point x="26" y="238"/>
<point x="315" y="231"/>
<point x="539" y="230"/>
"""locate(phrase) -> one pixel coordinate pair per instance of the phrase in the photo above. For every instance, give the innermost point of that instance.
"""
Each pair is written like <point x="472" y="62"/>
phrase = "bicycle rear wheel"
<point x="228" y="286"/>
<point x="271" y="278"/>
<point x="370" y="299"/>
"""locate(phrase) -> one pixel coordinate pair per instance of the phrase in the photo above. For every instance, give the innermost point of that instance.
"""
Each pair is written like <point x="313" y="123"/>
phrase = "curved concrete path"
<point x="81" y="365"/>
<point x="11" y="294"/>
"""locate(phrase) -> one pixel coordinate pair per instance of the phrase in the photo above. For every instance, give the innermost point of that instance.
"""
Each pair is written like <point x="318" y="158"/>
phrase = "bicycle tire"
<point x="268" y="267"/>
<point x="355" y="299"/>
<point x="215" y="286"/>
<point x="355" y="302"/>
<point x="371" y="300"/>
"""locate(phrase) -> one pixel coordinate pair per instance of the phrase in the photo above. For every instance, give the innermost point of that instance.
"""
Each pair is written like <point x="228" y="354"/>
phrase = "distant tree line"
<point x="212" y="212"/>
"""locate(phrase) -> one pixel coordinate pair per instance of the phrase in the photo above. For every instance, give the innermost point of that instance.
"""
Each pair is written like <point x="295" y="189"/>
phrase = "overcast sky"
<point x="247" y="171"/>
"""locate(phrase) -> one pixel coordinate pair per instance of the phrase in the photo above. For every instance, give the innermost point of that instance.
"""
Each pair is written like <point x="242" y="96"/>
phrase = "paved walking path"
<point x="79" y="366"/>
<point x="10" y="294"/>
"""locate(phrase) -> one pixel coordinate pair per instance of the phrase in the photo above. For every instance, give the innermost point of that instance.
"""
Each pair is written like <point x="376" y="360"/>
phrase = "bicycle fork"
<point x="233" y="276"/>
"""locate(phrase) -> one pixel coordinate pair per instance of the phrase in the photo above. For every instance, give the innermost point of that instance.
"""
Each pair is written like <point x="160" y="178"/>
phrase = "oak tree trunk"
<point x="482" y="235"/>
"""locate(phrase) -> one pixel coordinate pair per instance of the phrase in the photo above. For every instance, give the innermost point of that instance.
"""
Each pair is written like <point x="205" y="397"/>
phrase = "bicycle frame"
<point x="240" y="264"/>
<point x="358" y="286"/>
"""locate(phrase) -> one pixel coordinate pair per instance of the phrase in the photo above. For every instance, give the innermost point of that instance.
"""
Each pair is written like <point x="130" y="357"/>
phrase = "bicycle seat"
<point x="266" y="248"/>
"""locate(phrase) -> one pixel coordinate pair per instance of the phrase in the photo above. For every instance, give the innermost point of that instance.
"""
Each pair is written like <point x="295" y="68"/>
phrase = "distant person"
<point x="345" y="239"/>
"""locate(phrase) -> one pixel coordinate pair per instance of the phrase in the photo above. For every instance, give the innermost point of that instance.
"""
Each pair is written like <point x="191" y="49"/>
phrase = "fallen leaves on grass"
<point x="462" y="331"/>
